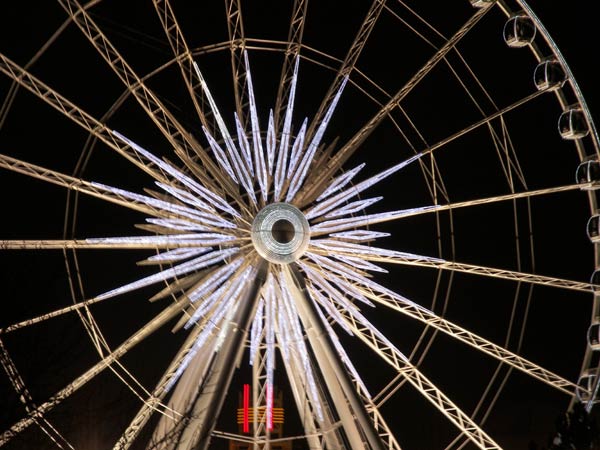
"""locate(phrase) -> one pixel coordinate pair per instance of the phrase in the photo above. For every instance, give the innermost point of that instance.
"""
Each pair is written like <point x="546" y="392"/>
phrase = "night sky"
<point x="550" y="323"/>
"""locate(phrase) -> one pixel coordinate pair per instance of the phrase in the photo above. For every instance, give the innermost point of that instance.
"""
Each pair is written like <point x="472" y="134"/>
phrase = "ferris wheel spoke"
<point x="292" y="344"/>
<point x="14" y="88"/>
<point x="357" y="421"/>
<point x="383" y="429"/>
<point x="297" y="381"/>
<point x="238" y="166"/>
<point x="114" y="140"/>
<point x="25" y="397"/>
<point x="72" y="183"/>
<point x="50" y="315"/>
<point x="403" y="20"/>
<point x="342" y="74"/>
<point x="230" y="323"/>
<point x="427" y="317"/>
<point x="237" y="47"/>
<point x="306" y="156"/>
<point x="373" y="254"/>
<point x="77" y="115"/>
<point x="183" y="142"/>
<point x="200" y="289"/>
<point x="192" y="265"/>
<point x="213" y="291"/>
<point x="336" y="162"/>
<point x="379" y="422"/>
<point x="183" y="55"/>
<point x="189" y="241"/>
<point x="373" y="338"/>
<point x="281" y="168"/>
<point x="328" y="433"/>
<point x="10" y="97"/>
<point x="349" y="63"/>
<point x="208" y="200"/>
<point x="339" y="225"/>
<point x="325" y="206"/>
<point x="200" y="285"/>
<point x="174" y="410"/>
<point x="484" y="121"/>
<point x="261" y="164"/>
<point x="161" y="319"/>
<point x="336" y="273"/>
<point x="156" y="208"/>
<point x="287" y="80"/>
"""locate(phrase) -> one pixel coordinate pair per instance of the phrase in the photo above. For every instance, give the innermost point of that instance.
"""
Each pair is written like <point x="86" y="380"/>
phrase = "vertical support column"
<point x="354" y="418"/>
<point x="259" y="394"/>
<point x="209" y="401"/>
<point x="328" y="436"/>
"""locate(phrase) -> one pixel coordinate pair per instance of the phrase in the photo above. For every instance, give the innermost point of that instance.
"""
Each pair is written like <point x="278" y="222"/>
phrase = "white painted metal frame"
<point x="225" y="294"/>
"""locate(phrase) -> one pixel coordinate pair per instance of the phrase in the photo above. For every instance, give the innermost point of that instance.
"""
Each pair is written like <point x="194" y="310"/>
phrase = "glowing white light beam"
<point x="300" y="175"/>
<point x="359" y="235"/>
<point x="327" y="205"/>
<point x="210" y="197"/>
<point x="181" y="269"/>
<point x="260" y="166"/>
<point x="282" y="157"/>
<point x="353" y="207"/>
<point x="340" y="181"/>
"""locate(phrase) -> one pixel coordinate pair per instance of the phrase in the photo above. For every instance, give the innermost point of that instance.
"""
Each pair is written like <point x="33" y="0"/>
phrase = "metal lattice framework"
<point x="256" y="242"/>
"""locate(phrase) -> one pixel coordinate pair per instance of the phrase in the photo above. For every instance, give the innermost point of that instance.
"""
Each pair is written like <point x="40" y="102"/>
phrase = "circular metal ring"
<point x="280" y="233"/>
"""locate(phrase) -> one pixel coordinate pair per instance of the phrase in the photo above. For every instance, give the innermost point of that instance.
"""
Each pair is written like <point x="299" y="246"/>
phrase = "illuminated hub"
<point x="200" y="231"/>
<point x="280" y="233"/>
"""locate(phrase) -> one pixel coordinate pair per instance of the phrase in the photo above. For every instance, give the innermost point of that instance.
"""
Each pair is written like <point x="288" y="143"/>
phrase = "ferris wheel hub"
<point x="280" y="233"/>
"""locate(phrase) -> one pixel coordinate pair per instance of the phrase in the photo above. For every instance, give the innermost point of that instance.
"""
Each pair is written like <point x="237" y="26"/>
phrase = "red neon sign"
<point x="270" y="407"/>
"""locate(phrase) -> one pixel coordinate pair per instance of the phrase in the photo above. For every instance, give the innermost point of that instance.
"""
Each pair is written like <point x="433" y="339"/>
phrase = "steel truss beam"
<point x="349" y="62"/>
<point x="27" y="401"/>
<point x="166" y="315"/>
<point x="184" y="58"/>
<point x="78" y="115"/>
<point x="102" y="243"/>
<point x="171" y="427"/>
<point x="153" y="402"/>
<point x="99" y="191"/>
<point x="184" y="144"/>
<point x="176" y="411"/>
<point x="207" y="404"/>
<point x="327" y="434"/>
<point x="378" y="343"/>
<point x="348" y="66"/>
<point x="294" y="44"/>
<point x="329" y="226"/>
<point x="505" y="274"/>
<point x="260" y="387"/>
<point x="499" y="353"/>
<point x="354" y="143"/>
<point x="355" y="421"/>
<point x="237" y="39"/>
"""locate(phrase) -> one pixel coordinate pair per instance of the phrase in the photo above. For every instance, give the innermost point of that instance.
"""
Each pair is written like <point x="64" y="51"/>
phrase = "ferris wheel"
<point x="379" y="208"/>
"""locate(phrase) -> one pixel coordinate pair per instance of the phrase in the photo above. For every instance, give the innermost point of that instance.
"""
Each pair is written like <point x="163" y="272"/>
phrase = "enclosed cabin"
<point x="588" y="174"/>
<point x="594" y="329"/>
<point x="519" y="30"/>
<point x="586" y="385"/>
<point x="549" y="75"/>
<point x="593" y="228"/>
<point x="572" y="124"/>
